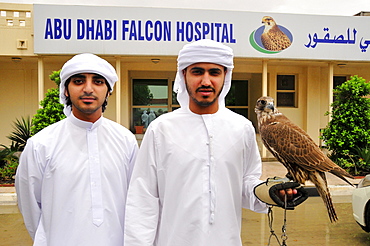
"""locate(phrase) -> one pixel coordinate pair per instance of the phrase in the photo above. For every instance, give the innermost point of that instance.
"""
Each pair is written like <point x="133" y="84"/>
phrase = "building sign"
<point x="62" y="29"/>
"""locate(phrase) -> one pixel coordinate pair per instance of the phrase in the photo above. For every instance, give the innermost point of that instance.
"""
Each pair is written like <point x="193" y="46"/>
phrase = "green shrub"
<point x="9" y="156"/>
<point x="8" y="161"/>
<point x="55" y="76"/>
<point x="7" y="172"/>
<point x="51" y="111"/>
<point x="364" y="153"/>
<point x="349" y="127"/>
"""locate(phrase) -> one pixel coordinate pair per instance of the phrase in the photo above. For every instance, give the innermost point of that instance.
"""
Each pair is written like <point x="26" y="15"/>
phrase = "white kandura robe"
<point x="71" y="172"/>
<point x="193" y="175"/>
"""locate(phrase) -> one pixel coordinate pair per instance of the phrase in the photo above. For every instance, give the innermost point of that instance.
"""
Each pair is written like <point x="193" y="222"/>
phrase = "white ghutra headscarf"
<point x="203" y="51"/>
<point x="85" y="63"/>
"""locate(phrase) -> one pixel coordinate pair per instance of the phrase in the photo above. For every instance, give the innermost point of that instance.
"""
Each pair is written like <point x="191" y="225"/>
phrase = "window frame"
<point x="294" y="91"/>
<point x="247" y="94"/>
<point x="168" y="107"/>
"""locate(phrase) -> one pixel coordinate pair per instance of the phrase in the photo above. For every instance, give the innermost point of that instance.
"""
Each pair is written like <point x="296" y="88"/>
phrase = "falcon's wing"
<point x="294" y="146"/>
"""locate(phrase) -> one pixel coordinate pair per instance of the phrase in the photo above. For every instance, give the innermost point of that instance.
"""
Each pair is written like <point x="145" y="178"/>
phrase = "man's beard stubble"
<point x="203" y="103"/>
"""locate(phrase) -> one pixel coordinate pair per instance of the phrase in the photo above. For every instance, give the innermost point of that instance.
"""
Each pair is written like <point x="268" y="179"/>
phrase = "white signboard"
<point x="62" y="29"/>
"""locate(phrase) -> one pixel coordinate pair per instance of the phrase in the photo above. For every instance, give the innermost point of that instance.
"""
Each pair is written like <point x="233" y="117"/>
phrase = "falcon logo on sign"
<point x="270" y="38"/>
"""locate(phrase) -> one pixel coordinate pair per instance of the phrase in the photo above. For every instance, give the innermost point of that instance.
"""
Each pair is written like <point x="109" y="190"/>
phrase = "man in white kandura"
<point x="73" y="175"/>
<point x="197" y="166"/>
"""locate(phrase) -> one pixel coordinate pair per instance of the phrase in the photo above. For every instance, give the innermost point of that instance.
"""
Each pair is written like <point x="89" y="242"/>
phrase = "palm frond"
<point x="21" y="132"/>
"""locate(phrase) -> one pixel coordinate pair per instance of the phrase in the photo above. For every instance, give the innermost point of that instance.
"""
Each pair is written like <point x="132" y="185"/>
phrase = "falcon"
<point x="294" y="148"/>
<point x="272" y="37"/>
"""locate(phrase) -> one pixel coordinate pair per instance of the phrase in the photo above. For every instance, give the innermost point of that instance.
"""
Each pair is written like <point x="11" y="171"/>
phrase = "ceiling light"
<point x="155" y="60"/>
<point x="16" y="59"/>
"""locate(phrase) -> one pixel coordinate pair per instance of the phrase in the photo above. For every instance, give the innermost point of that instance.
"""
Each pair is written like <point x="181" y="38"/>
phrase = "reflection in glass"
<point x="238" y="94"/>
<point x="338" y="80"/>
<point x="285" y="99"/>
<point x="174" y="98"/>
<point x="286" y="82"/>
<point x="237" y="98"/>
<point x="144" y="116"/>
<point x="150" y="92"/>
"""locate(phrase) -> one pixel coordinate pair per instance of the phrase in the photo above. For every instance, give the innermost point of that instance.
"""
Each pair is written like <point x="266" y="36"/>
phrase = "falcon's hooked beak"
<point x="270" y="105"/>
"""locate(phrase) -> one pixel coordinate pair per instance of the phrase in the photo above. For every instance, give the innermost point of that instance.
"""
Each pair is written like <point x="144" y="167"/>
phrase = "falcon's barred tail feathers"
<point x="294" y="148"/>
<point x="319" y="180"/>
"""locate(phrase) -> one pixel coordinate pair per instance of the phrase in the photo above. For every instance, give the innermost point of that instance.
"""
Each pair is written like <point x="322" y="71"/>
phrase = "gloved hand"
<point x="267" y="192"/>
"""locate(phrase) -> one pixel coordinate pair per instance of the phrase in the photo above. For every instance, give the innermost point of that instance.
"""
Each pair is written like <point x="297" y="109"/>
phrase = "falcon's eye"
<point x="263" y="102"/>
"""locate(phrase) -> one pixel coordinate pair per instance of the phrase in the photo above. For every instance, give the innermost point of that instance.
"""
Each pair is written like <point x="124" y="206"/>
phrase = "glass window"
<point x="286" y="99"/>
<point x="237" y="98"/>
<point x="238" y="94"/>
<point x="150" y="100"/>
<point x="150" y="92"/>
<point x="285" y="82"/>
<point x="286" y="91"/>
<point x="338" y="80"/>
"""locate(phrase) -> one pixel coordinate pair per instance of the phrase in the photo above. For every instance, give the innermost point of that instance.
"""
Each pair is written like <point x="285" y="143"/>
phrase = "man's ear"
<point x="66" y="93"/>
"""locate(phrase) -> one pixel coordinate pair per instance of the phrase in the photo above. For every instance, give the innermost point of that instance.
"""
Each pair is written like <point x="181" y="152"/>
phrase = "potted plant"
<point x="139" y="128"/>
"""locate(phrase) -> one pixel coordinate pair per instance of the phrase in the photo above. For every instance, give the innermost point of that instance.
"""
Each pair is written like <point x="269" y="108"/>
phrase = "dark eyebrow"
<point x="211" y="69"/>
<point x="78" y="76"/>
<point x="197" y="68"/>
<point x="215" y="69"/>
<point x="96" y="76"/>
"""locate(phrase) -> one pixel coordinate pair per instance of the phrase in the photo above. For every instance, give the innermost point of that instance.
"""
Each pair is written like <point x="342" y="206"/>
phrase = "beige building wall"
<point x="20" y="79"/>
<point x="16" y="29"/>
<point x="19" y="89"/>
<point x="16" y="93"/>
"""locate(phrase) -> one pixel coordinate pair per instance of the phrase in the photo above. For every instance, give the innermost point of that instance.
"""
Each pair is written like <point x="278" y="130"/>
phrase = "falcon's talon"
<point x="289" y="176"/>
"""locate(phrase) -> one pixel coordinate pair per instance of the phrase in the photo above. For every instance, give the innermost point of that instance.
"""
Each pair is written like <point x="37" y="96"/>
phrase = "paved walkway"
<point x="308" y="224"/>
